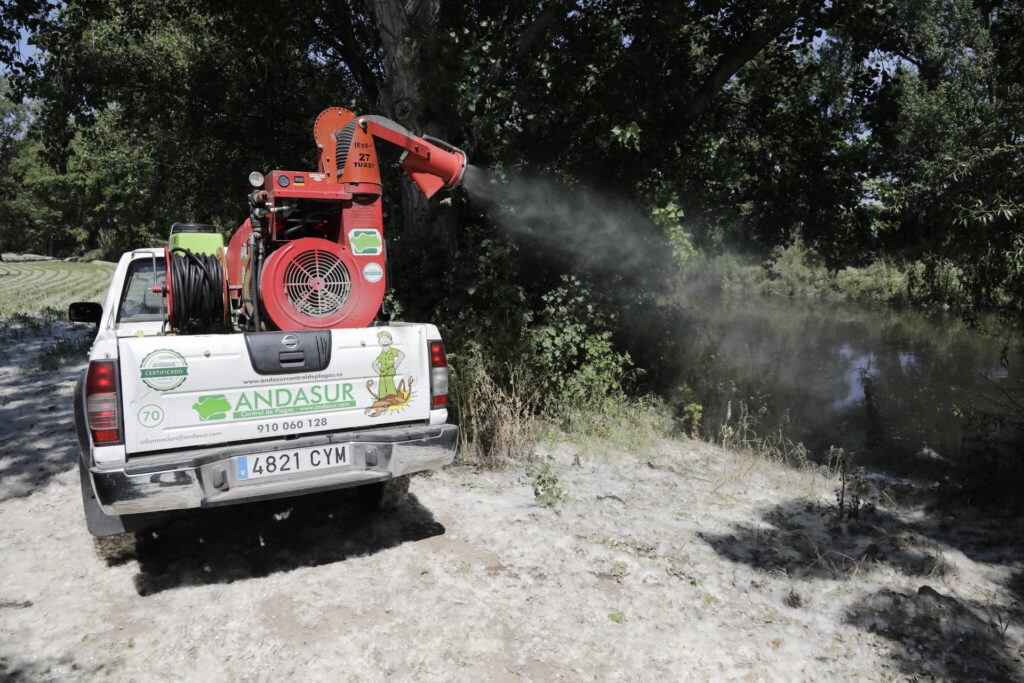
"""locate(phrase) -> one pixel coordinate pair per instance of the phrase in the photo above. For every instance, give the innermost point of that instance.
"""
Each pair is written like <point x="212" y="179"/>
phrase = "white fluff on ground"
<point x="690" y="564"/>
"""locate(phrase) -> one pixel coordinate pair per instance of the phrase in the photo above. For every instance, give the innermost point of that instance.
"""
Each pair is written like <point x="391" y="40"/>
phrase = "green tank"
<point x="199" y="238"/>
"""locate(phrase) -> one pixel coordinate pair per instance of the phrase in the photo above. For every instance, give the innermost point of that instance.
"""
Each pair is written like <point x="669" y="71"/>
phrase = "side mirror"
<point x="85" y="312"/>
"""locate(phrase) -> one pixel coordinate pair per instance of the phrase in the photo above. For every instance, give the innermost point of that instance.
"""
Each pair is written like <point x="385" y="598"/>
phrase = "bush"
<point x="739" y="275"/>
<point x="97" y="255"/>
<point x="879" y="281"/>
<point x="936" y="281"/>
<point x="794" y="270"/>
<point x="19" y="325"/>
<point x="727" y="273"/>
<point x="571" y="354"/>
<point x="687" y="409"/>
<point x="565" y="368"/>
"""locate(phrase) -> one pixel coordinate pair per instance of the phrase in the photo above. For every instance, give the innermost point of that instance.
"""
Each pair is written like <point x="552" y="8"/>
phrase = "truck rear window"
<point x="139" y="303"/>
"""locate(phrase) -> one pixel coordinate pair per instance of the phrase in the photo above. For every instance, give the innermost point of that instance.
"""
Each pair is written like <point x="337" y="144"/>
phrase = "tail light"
<point x="438" y="375"/>
<point x="101" y="402"/>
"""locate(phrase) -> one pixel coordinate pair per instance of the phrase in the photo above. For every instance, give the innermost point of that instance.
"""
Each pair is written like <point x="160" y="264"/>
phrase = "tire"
<point x="386" y="495"/>
<point x="116" y="549"/>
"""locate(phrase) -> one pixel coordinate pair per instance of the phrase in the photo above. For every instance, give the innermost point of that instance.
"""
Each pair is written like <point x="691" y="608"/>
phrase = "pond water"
<point x="865" y="378"/>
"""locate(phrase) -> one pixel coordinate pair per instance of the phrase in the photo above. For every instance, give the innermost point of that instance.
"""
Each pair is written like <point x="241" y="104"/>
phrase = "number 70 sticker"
<point x="151" y="416"/>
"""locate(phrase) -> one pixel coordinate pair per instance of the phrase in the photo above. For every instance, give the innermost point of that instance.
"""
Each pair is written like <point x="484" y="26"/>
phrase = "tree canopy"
<point x="866" y="129"/>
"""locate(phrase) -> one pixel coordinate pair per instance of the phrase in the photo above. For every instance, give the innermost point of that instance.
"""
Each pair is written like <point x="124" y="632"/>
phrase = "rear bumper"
<point x="202" y="478"/>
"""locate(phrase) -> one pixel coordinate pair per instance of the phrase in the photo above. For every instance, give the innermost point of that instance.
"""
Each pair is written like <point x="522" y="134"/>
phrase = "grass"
<point x="35" y="292"/>
<point x="497" y="419"/>
<point x="30" y="286"/>
<point x="616" y="425"/>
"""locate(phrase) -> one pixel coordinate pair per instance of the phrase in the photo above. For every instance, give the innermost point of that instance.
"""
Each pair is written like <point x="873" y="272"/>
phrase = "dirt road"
<point x="689" y="563"/>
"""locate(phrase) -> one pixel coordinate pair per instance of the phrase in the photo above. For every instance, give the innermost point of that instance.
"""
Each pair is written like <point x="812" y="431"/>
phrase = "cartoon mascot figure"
<point x="388" y="396"/>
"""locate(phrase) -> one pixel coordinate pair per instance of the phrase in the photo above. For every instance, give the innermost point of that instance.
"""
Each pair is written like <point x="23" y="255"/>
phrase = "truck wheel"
<point x="385" y="495"/>
<point x="113" y="535"/>
<point x="115" y="549"/>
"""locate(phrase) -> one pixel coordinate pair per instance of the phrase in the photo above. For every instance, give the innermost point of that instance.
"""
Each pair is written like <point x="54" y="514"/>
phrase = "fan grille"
<point x="317" y="283"/>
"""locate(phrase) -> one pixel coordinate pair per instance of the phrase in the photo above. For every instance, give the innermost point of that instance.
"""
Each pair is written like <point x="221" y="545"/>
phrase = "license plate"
<point x="280" y="463"/>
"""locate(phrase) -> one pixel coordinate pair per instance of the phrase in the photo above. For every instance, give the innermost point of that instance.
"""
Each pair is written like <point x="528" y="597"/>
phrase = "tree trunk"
<point x="406" y="29"/>
<point x="734" y="59"/>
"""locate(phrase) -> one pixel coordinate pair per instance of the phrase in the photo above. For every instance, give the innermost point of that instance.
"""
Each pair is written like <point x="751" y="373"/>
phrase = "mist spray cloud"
<point x="590" y="231"/>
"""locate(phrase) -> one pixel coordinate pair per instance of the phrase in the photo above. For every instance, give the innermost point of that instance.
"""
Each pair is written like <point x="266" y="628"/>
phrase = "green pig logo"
<point x="214" y="407"/>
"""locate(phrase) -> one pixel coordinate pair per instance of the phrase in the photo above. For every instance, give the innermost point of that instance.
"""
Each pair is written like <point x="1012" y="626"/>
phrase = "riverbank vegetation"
<point x="794" y="270"/>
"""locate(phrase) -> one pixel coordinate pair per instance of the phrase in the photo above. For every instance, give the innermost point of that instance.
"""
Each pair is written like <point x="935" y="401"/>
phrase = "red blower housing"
<point x="313" y="283"/>
<point x="313" y="253"/>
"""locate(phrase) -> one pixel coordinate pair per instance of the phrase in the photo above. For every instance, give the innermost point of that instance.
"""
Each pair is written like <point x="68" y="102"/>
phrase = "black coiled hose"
<point x="197" y="289"/>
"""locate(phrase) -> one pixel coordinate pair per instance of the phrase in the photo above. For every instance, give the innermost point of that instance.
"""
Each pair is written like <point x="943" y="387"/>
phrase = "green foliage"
<point x="728" y="273"/>
<point x="797" y="271"/>
<point x="869" y="131"/>
<point x="670" y="219"/>
<point x="689" y="409"/>
<point x="545" y="486"/>
<point x="879" y="281"/>
<point x="937" y="281"/>
<point x="571" y="351"/>
<point x="628" y="136"/>
<point x="793" y="271"/>
<point x="477" y="299"/>
<point x="153" y="113"/>
<point x="564" y="367"/>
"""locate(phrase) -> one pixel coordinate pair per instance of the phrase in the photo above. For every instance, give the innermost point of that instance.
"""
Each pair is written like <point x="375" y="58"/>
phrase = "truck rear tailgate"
<point x="197" y="390"/>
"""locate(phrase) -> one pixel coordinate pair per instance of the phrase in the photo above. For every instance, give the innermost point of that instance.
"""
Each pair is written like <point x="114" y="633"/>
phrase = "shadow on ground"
<point x="15" y="669"/>
<point x="935" y="635"/>
<point x="806" y="541"/>
<point x="37" y="427"/>
<point x="240" y="542"/>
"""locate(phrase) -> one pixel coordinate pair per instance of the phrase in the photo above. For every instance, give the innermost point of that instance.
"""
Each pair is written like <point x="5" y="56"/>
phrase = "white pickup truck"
<point x="170" y="422"/>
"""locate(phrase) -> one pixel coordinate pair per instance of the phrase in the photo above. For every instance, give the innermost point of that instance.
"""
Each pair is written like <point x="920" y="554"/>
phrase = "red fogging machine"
<point x="312" y="253"/>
